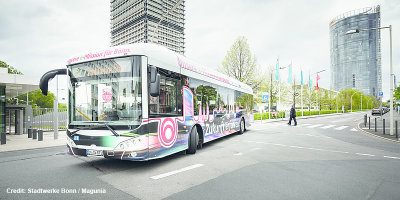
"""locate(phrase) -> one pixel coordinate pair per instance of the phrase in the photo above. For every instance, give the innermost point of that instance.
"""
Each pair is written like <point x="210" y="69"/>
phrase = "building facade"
<point x="135" y="21"/>
<point x="355" y="60"/>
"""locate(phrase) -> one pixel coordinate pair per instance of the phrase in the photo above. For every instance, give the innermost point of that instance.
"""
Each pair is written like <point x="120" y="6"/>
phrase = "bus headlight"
<point x="70" y="142"/>
<point x="128" y="145"/>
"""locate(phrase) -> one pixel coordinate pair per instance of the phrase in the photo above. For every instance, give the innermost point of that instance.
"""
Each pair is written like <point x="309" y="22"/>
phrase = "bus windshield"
<point x="106" y="91"/>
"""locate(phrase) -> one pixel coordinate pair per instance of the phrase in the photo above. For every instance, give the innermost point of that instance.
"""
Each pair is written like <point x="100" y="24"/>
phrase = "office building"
<point x="355" y="60"/>
<point x="135" y="21"/>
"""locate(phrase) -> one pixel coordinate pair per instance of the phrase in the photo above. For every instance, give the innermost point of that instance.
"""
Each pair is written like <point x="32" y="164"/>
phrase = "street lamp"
<point x="279" y="83"/>
<point x="391" y="70"/>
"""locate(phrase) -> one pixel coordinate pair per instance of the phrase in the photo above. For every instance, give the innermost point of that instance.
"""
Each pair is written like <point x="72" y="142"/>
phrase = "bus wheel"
<point x="193" y="141"/>
<point x="242" y="126"/>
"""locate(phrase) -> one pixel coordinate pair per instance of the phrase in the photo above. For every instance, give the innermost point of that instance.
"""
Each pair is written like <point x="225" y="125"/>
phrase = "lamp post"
<point x="279" y="74"/>
<point x="351" y="101"/>
<point x="391" y="70"/>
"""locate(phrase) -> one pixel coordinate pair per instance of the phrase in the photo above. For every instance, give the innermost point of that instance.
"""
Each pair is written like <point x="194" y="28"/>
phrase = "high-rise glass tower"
<point x="356" y="58"/>
<point x="134" y="21"/>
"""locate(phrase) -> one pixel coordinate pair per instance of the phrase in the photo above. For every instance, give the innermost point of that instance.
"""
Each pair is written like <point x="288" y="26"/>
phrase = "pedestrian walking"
<point x="292" y="116"/>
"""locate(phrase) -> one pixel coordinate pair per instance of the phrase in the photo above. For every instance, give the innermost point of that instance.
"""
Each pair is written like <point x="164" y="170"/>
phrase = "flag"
<point x="277" y="70"/>
<point x="301" y="77"/>
<point x="309" y="82"/>
<point x="318" y="77"/>
<point x="289" y="80"/>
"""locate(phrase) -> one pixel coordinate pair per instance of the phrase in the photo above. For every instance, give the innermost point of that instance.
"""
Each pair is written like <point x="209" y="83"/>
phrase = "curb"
<point x="303" y="117"/>
<point x="360" y="129"/>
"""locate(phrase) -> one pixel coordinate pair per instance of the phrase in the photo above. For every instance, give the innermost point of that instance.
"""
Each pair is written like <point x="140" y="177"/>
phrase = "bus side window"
<point x="167" y="101"/>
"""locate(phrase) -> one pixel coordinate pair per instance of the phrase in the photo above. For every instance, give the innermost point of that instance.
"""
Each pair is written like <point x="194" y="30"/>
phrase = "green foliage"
<point x="11" y="69"/>
<point x="396" y="94"/>
<point x="35" y="97"/>
<point x="241" y="65"/>
<point x="257" y="116"/>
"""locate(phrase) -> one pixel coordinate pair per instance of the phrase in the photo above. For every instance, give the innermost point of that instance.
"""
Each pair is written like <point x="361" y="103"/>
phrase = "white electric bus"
<point x="143" y="101"/>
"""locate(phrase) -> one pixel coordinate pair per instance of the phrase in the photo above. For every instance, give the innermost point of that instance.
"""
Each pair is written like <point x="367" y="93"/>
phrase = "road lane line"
<point x="176" y="171"/>
<point x="314" y="126"/>
<point x="364" y="154"/>
<point x="329" y="126"/>
<point x="297" y="147"/>
<point x="302" y="125"/>
<point x="341" y="128"/>
<point x="353" y="129"/>
<point x="240" y="153"/>
<point x="391" y="157"/>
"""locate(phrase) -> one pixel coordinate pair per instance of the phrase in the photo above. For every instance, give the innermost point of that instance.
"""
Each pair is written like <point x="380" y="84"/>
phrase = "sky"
<point x="40" y="35"/>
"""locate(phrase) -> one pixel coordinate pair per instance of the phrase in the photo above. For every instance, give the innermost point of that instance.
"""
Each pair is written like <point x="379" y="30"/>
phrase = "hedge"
<point x="257" y="116"/>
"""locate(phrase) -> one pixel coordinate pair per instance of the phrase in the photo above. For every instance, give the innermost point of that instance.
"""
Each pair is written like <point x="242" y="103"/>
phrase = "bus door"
<point x="165" y="112"/>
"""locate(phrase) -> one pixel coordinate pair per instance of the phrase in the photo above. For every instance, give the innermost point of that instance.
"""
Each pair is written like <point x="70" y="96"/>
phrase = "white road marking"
<point x="339" y="151"/>
<point x="240" y="153"/>
<point x="301" y="125"/>
<point x="329" y="126"/>
<point x="316" y="149"/>
<point x="353" y="129"/>
<point x="391" y="157"/>
<point x="341" y="128"/>
<point x="364" y="154"/>
<point x="297" y="147"/>
<point x="176" y="171"/>
<point x="308" y="135"/>
<point x="316" y="125"/>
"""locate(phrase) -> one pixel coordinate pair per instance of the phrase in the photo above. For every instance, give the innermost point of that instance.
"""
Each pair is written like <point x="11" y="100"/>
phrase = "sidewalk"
<point x="22" y="142"/>
<point x="379" y="126"/>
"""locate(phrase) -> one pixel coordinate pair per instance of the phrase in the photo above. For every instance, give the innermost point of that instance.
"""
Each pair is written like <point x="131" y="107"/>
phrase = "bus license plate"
<point x="94" y="152"/>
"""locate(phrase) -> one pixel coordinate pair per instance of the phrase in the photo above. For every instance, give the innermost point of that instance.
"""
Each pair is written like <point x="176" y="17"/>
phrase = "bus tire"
<point x="193" y="141"/>
<point x="242" y="126"/>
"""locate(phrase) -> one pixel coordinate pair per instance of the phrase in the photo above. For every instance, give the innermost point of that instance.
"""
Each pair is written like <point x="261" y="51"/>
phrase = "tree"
<point x="11" y="69"/>
<point x="396" y="94"/>
<point x="35" y="97"/>
<point x="269" y="86"/>
<point x="241" y="65"/>
<point x="293" y="91"/>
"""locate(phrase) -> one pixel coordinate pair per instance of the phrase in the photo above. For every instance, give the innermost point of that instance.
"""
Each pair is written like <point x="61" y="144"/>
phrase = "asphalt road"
<point x="321" y="158"/>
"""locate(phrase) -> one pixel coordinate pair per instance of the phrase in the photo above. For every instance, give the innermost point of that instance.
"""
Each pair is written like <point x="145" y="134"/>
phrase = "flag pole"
<point x="301" y="90"/>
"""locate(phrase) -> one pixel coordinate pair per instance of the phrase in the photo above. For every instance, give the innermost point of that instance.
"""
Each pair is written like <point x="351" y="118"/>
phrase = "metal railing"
<point x="43" y="119"/>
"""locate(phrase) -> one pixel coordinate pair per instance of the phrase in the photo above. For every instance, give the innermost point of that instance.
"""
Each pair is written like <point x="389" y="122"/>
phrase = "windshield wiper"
<point x="105" y="123"/>
<point x="79" y="129"/>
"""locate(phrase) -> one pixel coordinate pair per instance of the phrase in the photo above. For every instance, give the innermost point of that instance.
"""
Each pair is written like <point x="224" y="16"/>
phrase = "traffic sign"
<point x="381" y="94"/>
<point x="264" y="98"/>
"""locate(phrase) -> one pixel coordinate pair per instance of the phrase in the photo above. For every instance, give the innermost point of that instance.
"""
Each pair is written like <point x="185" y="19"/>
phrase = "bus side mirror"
<point x="154" y="89"/>
<point x="44" y="80"/>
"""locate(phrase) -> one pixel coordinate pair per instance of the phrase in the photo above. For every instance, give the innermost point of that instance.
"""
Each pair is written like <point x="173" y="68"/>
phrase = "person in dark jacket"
<point x="292" y="116"/>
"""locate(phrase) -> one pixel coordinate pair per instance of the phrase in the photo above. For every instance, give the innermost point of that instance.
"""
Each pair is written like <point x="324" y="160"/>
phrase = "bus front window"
<point x="106" y="91"/>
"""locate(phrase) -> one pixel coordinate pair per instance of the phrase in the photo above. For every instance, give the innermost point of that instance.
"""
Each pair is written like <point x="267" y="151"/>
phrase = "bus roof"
<point x="158" y="52"/>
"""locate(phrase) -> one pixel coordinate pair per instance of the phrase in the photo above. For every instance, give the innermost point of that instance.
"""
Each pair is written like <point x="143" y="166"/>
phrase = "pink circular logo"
<point x="107" y="96"/>
<point x="167" y="133"/>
